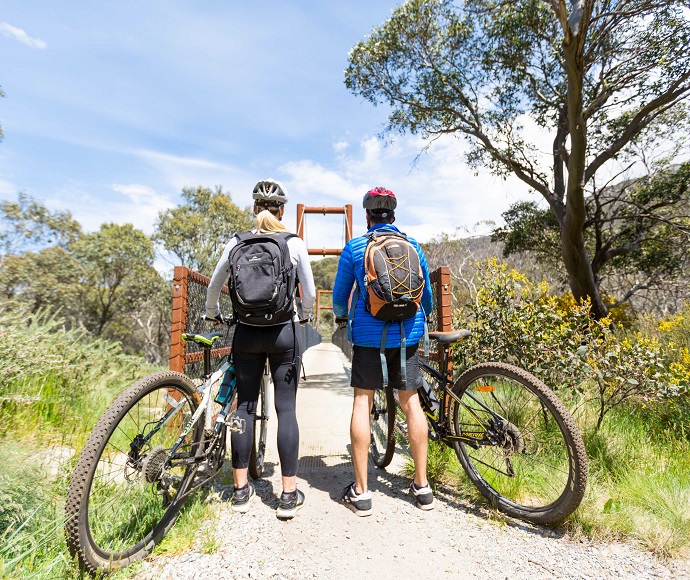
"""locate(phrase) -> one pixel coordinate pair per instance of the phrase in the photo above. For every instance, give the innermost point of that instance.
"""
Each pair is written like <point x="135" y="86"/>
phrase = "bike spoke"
<point x="527" y="461"/>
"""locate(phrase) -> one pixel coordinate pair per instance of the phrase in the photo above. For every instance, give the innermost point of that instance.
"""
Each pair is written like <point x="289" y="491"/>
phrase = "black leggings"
<point x="250" y="347"/>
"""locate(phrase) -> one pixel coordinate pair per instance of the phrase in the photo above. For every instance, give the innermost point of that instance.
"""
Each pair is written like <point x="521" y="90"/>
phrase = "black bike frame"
<point x="440" y="427"/>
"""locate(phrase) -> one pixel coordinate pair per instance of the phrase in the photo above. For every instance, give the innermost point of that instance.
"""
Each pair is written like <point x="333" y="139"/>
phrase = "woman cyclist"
<point x="253" y="344"/>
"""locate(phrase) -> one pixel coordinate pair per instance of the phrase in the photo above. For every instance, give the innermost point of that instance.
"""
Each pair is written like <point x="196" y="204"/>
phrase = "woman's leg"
<point x="249" y="364"/>
<point x="285" y="368"/>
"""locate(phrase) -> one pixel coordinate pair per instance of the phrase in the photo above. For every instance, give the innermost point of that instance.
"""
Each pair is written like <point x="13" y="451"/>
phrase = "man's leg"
<point x="417" y="432"/>
<point x="360" y="436"/>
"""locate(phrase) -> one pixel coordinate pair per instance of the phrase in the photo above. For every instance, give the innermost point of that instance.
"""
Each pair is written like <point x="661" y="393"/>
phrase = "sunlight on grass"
<point x="183" y="535"/>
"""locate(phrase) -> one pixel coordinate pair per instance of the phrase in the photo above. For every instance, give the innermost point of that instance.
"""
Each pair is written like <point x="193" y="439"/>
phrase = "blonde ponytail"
<point x="267" y="223"/>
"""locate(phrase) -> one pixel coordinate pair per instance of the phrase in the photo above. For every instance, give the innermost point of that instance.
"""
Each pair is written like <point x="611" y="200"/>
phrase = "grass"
<point x="638" y="488"/>
<point x="55" y="385"/>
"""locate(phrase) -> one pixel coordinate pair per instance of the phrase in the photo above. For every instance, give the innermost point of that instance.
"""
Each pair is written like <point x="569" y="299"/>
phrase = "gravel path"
<point x="398" y="541"/>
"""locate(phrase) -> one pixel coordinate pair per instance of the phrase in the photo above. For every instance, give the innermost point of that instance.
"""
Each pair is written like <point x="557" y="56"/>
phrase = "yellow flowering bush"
<point x="515" y="320"/>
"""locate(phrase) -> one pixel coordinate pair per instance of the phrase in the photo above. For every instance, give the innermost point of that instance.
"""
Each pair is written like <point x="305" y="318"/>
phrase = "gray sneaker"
<point x="423" y="496"/>
<point x="289" y="504"/>
<point x="359" y="504"/>
<point x="242" y="497"/>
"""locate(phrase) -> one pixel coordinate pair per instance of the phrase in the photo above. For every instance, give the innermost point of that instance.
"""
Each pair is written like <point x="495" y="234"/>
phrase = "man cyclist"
<point x="367" y="374"/>
<point x="252" y="345"/>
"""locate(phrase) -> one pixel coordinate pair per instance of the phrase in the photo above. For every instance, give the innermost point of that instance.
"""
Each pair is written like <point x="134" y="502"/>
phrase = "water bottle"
<point x="427" y="397"/>
<point x="228" y="385"/>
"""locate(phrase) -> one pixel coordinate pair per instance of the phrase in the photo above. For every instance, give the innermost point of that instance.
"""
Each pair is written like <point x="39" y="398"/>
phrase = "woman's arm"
<point x="218" y="280"/>
<point x="304" y="274"/>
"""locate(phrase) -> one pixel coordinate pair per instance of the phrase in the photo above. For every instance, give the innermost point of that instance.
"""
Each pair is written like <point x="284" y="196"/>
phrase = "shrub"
<point x="59" y="379"/>
<point x="515" y="320"/>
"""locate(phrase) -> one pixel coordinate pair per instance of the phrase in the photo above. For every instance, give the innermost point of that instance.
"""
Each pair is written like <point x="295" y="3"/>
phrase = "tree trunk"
<point x="575" y="257"/>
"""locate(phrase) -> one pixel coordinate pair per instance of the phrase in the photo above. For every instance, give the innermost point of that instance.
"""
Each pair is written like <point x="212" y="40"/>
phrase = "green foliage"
<point x="607" y="90"/>
<point x="28" y="223"/>
<point x="324" y="272"/>
<point x="103" y="282"/>
<point x="48" y="279"/>
<point x="54" y="385"/>
<point x="117" y="266"/>
<point x="625" y="369"/>
<point x="515" y="320"/>
<point x="637" y="484"/>
<point x="197" y="231"/>
<point x="54" y="377"/>
<point x="529" y="228"/>
<point x="31" y="539"/>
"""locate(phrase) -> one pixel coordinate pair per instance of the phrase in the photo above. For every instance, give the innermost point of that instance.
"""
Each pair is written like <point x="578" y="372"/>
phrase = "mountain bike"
<point x="160" y="440"/>
<point x="513" y="437"/>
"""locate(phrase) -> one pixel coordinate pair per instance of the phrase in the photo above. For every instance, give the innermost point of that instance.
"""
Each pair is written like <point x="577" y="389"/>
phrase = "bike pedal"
<point x="237" y="425"/>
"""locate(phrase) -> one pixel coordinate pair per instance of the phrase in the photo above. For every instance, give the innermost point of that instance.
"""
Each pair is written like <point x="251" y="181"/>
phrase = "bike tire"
<point x="121" y="499"/>
<point x="257" y="456"/>
<point x="382" y="427"/>
<point x="536" y="467"/>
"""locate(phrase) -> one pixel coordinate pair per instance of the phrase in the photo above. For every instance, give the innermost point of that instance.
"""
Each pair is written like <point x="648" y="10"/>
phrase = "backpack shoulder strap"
<point x="241" y="237"/>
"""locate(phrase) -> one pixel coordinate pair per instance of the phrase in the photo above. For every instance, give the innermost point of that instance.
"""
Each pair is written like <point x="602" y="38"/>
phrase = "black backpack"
<point x="262" y="279"/>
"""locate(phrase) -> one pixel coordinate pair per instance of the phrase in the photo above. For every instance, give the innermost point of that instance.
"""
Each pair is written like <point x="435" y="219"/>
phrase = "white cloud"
<point x="438" y="193"/>
<point x="141" y="206"/>
<point x="178" y="172"/>
<point x="21" y="36"/>
<point x="8" y="189"/>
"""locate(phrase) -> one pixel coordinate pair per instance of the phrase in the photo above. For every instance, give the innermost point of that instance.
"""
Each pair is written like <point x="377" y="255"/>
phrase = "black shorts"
<point x="367" y="373"/>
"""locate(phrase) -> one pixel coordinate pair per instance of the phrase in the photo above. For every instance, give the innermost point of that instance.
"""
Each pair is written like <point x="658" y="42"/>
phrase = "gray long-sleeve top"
<point x="299" y="257"/>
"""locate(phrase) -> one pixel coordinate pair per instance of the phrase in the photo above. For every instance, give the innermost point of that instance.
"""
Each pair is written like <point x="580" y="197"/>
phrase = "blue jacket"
<point x="367" y="330"/>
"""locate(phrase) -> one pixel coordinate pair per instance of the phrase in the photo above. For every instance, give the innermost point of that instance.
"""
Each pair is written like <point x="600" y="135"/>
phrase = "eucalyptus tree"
<point x="604" y="79"/>
<point x="117" y="274"/>
<point x="27" y="224"/>
<point x="196" y="231"/>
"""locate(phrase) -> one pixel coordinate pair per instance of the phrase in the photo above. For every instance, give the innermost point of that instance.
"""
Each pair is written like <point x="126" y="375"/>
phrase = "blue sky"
<point x="113" y="106"/>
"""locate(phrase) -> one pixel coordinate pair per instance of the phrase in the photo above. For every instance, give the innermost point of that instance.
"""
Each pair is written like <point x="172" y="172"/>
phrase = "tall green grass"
<point x="638" y="486"/>
<point x="54" y="385"/>
<point x="639" y="481"/>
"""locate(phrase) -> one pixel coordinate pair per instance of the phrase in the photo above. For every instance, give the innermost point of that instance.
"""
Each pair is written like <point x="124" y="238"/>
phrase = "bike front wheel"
<point x="382" y="427"/>
<point x="258" y="453"/>
<point x="125" y="494"/>
<point x="526" y="456"/>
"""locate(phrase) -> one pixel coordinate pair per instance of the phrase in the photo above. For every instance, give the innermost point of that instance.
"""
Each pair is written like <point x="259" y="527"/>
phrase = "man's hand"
<point x="341" y="321"/>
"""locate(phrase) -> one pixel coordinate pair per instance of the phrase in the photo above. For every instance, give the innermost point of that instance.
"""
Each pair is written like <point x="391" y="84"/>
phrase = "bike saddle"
<point x="203" y="339"/>
<point x="449" y="337"/>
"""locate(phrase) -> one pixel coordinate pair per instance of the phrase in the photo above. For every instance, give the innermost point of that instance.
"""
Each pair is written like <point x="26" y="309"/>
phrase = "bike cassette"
<point x="153" y="464"/>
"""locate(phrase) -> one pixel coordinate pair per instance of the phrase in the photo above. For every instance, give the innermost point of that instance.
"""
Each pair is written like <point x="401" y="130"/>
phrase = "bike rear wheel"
<point x="529" y="460"/>
<point x="382" y="427"/>
<point x="123" y="497"/>
<point x="258" y="453"/>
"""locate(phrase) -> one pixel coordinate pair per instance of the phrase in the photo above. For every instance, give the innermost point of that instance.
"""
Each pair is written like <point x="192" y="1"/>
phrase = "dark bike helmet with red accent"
<point x="379" y="200"/>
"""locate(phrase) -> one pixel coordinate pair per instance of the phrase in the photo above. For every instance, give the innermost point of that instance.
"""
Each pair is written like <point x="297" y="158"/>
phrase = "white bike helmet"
<point x="269" y="190"/>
